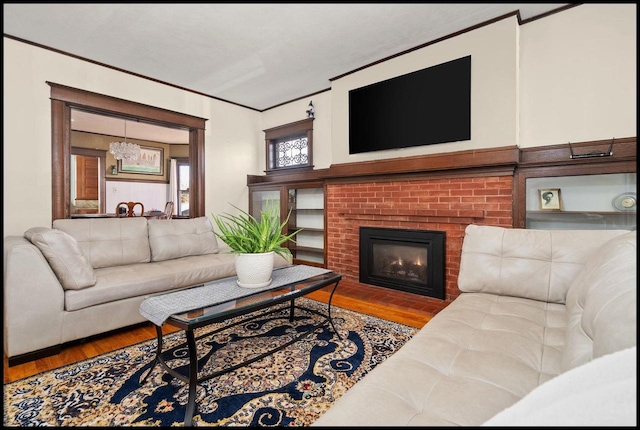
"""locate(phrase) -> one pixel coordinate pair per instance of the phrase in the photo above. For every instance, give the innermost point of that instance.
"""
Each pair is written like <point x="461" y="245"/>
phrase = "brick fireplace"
<point x="442" y="204"/>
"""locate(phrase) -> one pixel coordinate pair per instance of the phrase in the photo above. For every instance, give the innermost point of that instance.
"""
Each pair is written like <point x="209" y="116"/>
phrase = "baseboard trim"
<point x="35" y="355"/>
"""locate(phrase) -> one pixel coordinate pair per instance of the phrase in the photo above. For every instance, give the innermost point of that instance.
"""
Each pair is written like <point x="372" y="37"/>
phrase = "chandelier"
<point x="124" y="150"/>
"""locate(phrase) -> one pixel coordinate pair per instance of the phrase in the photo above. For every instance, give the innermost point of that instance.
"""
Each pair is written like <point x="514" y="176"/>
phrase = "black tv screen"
<point x="431" y="105"/>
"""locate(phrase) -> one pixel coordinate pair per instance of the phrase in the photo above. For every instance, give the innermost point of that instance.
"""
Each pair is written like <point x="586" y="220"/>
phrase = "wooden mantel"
<point x="498" y="160"/>
<point x="490" y="157"/>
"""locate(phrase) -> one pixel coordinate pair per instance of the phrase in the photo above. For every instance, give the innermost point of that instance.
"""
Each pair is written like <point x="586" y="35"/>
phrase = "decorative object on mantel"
<point x="255" y="242"/>
<point x="625" y="202"/>
<point x="594" y="154"/>
<point x="550" y="199"/>
<point x="311" y="110"/>
<point x="124" y="150"/>
<point x="114" y="170"/>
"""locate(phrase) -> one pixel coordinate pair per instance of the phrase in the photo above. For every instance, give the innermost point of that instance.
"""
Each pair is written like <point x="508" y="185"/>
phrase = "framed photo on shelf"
<point x="150" y="162"/>
<point x="550" y="199"/>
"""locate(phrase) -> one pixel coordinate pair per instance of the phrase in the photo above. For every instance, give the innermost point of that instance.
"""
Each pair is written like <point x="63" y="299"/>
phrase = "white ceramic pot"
<point x="254" y="270"/>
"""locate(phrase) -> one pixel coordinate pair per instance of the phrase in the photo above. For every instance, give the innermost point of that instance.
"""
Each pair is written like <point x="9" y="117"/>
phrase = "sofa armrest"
<point x="33" y="299"/>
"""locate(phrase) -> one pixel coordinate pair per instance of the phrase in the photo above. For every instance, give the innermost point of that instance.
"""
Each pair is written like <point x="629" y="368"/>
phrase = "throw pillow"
<point x="177" y="238"/>
<point x="64" y="256"/>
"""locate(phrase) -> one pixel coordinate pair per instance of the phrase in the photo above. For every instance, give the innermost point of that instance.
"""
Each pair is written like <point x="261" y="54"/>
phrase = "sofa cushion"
<point x="177" y="238"/>
<point x="600" y="393"/>
<point x="601" y="303"/>
<point x="109" y="242"/>
<point x="118" y="283"/>
<point x="534" y="264"/>
<point x="478" y="355"/>
<point x="64" y="256"/>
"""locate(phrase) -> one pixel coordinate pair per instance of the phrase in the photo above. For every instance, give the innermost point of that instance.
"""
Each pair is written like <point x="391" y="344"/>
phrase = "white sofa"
<point x="88" y="276"/>
<point x="538" y="311"/>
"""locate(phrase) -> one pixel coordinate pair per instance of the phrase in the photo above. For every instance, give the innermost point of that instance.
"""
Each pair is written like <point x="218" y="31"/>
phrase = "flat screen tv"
<point x="431" y="105"/>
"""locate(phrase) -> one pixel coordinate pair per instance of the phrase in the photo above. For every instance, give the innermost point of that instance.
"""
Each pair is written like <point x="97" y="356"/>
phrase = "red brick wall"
<point x="447" y="205"/>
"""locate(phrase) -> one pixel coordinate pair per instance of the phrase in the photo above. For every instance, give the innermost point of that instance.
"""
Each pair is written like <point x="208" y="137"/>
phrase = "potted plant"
<point x="255" y="241"/>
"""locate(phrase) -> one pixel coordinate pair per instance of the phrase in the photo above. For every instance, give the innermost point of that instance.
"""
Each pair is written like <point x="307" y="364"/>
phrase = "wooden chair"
<point x="168" y="211"/>
<point x="130" y="209"/>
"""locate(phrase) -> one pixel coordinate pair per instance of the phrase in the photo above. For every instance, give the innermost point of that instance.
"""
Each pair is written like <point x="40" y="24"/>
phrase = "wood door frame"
<point x="64" y="98"/>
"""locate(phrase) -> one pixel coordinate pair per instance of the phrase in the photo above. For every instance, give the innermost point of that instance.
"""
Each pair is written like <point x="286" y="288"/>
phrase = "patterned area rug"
<point x="292" y="387"/>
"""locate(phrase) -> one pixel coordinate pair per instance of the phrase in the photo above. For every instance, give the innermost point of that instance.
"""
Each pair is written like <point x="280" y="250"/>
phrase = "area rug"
<point x="292" y="387"/>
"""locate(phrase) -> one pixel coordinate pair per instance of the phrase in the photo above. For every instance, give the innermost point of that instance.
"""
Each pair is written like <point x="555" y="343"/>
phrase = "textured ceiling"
<point x="254" y="55"/>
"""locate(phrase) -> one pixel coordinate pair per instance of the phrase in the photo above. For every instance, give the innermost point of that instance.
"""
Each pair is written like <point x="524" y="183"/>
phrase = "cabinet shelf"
<point x="293" y="209"/>
<point x="304" y="203"/>
<point x="294" y="247"/>
<point x="293" y="228"/>
<point x="567" y="216"/>
<point x="594" y="193"/>
<point x="605" y="213"/>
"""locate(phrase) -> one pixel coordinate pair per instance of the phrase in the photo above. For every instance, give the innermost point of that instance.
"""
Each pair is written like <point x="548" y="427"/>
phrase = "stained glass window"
<point x="290" y="146"/>
<point x="293" y="152"/>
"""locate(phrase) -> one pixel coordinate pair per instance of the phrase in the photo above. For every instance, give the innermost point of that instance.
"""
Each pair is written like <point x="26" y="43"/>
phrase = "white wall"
<point x="493" y="51"/>
<point x="152" y="196"/>
<point x="231" y="150"/>
<point x="296" y="111"/>
<point x="579" y="75"/>
<point x="570" y="76"/>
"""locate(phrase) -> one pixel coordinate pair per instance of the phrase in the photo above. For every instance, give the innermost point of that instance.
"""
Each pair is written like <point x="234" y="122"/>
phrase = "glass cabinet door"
<point x="305" y="205"/>
<point x="585" y="202"/>
<point x="259" y="199"/>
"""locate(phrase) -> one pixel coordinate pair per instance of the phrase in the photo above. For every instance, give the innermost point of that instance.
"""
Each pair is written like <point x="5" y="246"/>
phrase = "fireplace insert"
<point x="405" y="260"/>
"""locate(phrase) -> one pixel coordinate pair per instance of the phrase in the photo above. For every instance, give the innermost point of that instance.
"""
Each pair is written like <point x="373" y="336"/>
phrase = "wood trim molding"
<point x="60" y="160"/>
<point x="287" y="177"/>
<point x="554" y="160"/>
<point x="196" y="173"/>
<point x="499" y="161"/>
<point x="64" y="98"/>
<point x="490" y="157"/>
<point x="623" y="149"/>
<point x="116" y="106"/>
<point x="288" y="131"/>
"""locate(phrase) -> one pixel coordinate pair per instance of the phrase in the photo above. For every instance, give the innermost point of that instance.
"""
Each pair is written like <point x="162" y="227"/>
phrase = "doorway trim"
<point x="64" y="98"/>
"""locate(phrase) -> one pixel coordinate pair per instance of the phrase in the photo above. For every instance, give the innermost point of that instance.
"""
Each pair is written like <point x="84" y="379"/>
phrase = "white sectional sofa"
<point x="543" y="333"/>
<point x="88" y="276"/>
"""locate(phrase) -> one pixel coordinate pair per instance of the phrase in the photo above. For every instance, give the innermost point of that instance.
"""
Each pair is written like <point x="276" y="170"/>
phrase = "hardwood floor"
<point x="403" y="308"/>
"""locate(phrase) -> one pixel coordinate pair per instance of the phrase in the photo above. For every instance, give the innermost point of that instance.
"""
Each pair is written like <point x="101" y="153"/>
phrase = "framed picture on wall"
<point x="550" y="199"/>
<point x="150" y="162"/>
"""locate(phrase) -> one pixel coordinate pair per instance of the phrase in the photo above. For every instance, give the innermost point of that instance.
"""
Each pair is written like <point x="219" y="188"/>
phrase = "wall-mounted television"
<point x="431" y="105"/>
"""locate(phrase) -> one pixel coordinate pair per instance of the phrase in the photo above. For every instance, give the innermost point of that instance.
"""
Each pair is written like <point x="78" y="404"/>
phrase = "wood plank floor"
<point x="392" y="305"/>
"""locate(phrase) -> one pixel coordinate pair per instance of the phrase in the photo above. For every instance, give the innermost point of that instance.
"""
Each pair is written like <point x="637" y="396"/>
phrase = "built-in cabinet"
<point x="304" y="204"/>
<point x="606" y="201"/>
<point x="554" y="190"/>
<point x="595" y="183"/>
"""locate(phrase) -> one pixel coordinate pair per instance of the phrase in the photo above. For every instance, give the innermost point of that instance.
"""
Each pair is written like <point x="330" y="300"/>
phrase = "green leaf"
<point x="243" y="233"/>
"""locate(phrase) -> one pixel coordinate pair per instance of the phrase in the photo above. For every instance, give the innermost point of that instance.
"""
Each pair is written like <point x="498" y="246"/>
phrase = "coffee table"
<point x="237" y="302"/>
